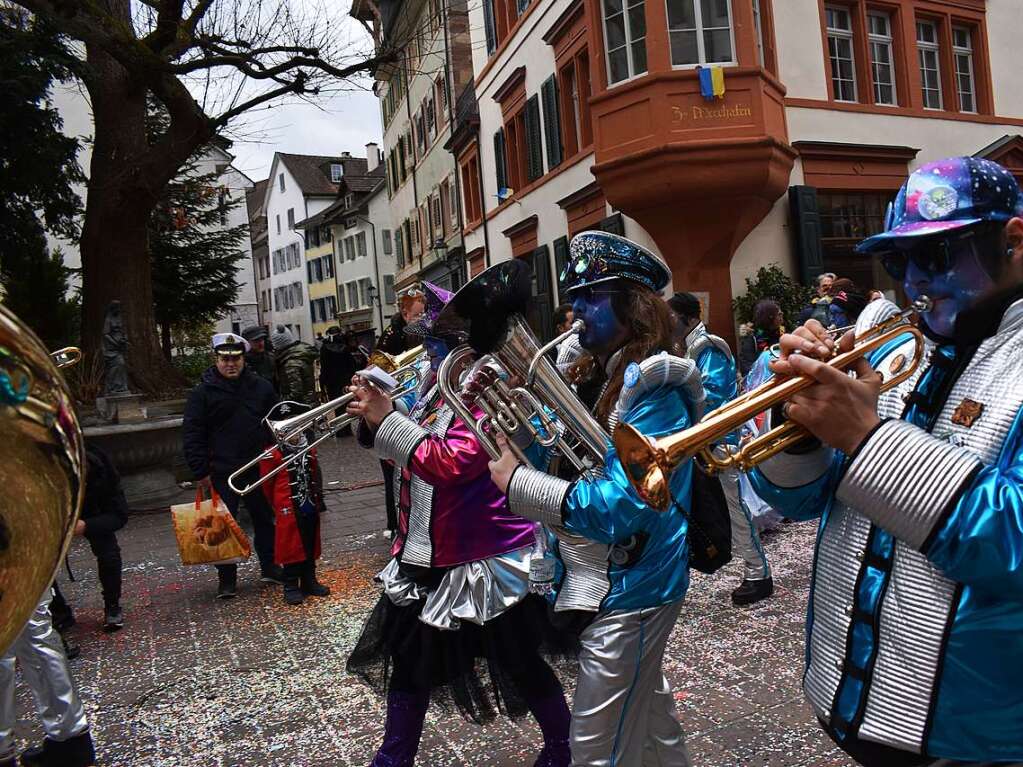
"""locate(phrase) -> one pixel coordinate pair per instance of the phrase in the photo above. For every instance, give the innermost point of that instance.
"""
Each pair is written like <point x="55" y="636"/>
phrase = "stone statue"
<point x="115" y="344"/>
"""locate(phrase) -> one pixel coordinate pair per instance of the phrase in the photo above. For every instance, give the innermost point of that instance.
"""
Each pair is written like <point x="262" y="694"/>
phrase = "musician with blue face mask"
<point x="915" y="627"/>
<point x="624" y="712"/>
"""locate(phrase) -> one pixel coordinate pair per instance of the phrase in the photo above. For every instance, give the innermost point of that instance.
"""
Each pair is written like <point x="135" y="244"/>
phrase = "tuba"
<point x="42" y="472"/>
<point x="506" y="373"/>
<point x="649" y="463"/>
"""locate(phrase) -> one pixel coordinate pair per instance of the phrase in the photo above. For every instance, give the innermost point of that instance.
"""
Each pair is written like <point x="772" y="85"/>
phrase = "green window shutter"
<point x="489" y="27"/>
<point x="534" y="137"/>
<point x="500" y="162"/>
<point x="552" y="122"/>
<point x="560" y="261"/>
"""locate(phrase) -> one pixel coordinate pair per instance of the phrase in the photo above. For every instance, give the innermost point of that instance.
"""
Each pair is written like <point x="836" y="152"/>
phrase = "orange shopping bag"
<point x="207" y="533"/>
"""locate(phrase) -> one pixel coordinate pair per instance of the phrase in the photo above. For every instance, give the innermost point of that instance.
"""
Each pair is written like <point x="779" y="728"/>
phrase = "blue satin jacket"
<point x="915" y="621"/>
<point x="647" y="563"/>
<point x="717" y="369"/>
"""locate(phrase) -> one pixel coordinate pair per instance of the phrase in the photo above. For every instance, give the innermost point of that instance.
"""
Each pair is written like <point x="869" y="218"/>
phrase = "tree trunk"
<point x="125" y="180"/>
<point x="165" y="339"/>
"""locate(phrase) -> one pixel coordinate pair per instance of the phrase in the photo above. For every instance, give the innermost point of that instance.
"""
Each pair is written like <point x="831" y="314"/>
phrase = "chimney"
<point x="372" y="156"/>
<point x="346" y="154"/>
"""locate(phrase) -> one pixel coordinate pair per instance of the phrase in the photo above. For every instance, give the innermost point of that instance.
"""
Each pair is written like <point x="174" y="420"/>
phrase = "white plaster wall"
<point x="934" y="137"/>
<point x="797" y="25"/>
<point x="1004" y="25"/>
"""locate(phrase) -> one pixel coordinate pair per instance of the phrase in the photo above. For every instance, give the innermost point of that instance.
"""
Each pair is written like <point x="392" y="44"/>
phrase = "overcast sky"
<point x="344" y="123"/>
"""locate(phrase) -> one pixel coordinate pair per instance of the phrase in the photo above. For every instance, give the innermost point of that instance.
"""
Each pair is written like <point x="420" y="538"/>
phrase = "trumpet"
<point x="289" y="432"/>
<point x="649" y="463"/>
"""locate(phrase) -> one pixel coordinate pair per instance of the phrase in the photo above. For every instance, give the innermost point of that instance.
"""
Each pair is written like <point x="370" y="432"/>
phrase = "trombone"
<point x="288" y="433"/>
<point x="649" y="463"/>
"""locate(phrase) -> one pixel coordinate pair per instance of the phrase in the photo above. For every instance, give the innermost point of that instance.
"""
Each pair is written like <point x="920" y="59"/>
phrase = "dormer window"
<point x="335" y="172"/>
<point x="349" y="199"/>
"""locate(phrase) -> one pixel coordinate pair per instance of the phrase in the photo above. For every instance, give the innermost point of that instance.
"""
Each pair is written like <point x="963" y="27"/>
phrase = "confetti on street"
<point x="194" y="682"/>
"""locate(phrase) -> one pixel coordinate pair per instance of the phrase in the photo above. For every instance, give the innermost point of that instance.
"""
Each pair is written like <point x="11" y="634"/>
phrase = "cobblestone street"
<point x="196" y="682"/>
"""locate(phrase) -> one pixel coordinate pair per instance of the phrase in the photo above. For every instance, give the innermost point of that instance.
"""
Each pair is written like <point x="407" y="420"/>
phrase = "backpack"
<point x="710" y="527"/>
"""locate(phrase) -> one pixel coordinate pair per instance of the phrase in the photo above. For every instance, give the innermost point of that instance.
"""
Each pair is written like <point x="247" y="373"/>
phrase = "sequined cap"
<point x="436" y="299"/>
<point x="600" y="257"/>
<point x="947" y="195"/>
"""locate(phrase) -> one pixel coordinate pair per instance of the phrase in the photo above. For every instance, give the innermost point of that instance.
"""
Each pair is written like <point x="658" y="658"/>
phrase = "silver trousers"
<point x="624" y="711"/>
<point x="745" y="539"/>
<point x="44" y="668"/>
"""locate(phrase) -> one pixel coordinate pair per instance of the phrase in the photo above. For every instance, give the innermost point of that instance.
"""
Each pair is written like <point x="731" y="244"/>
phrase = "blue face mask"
<point x="603" y="328"/>
<point x="953" y="289"/>
<point x="436" y="350"/>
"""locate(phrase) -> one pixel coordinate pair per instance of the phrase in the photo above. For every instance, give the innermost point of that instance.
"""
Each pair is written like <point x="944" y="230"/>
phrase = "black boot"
<point x="272" y="574"/>
<point x="228" y="582"/>
<point x="73" y="752"/>
<point x="310" y="586"/>
<point x="113" y="618"/>
<point x="293" y="594"/>
<point x="750" y="592"/>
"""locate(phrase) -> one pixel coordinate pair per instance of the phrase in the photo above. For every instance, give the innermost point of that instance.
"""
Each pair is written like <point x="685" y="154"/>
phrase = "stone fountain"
<point x="142" y="441"/>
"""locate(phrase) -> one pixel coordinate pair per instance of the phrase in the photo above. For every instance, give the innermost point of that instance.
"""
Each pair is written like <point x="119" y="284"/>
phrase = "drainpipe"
<point x="415" y="187"/>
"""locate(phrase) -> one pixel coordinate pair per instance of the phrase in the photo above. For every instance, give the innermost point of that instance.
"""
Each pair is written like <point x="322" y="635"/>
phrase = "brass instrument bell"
<point x="42" y="472"/>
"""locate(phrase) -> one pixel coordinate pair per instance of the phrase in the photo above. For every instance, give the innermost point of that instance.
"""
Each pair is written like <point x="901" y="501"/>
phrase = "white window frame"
<point x="629" y="42"/>
<point x="888" y="41"/>
<point x="701" y="45"/>
<point x="967" y="51"/>
<point x="923" y="48"/>
<point x="758" y="29"/>
<point x="335" y="173"/>
<point x="840" y="33"/>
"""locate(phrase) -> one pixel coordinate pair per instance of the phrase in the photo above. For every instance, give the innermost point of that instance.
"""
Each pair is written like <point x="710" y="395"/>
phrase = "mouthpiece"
<point x="923" y="304"/>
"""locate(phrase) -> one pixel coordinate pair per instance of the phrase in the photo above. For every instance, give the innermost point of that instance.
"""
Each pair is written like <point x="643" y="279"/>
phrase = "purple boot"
<point x="405" y="714"/>
<point x="554" y="718"/>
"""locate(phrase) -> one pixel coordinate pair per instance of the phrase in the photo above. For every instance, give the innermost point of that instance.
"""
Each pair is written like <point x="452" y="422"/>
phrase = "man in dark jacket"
<point x="295" y="378"/>
<point x="223" y="430"/>
<point x="259" y="359"/>
<point x="337" y="366"/>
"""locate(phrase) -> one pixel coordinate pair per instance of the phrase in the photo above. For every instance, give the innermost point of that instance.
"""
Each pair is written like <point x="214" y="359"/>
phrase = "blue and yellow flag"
<point x="712" y="82"/>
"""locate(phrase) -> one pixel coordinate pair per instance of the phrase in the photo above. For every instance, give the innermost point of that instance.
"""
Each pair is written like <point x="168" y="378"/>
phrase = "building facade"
<point x="589" y="114"/>
<point x="258" y="241"/>
<point x="299" y="186"/>
<point x="417" y="111"/>
<point x="357" y="227"/>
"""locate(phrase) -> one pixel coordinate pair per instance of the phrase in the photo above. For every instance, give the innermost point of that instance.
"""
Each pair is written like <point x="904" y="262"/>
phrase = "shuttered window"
<point x="534" y="152"/>
<point x="500" y="160"/>
<point x="488" y="26"/>
<point x="552" y="122"/>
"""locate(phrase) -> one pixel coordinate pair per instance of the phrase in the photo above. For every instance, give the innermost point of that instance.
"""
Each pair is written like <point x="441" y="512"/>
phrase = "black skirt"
<point x="479" y="670"/>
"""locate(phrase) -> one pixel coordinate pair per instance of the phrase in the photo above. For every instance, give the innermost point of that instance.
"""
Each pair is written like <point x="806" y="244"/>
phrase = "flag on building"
<point x="712" y="82"/>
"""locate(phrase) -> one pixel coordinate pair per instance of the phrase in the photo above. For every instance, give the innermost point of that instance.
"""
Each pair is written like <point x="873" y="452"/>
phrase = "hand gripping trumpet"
<point x="323" y="421"/>
<point x="649" y="463"/>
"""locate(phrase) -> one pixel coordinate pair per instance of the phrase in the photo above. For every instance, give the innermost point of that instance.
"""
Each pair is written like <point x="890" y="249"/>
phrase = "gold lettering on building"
<point x="696" y="113"/>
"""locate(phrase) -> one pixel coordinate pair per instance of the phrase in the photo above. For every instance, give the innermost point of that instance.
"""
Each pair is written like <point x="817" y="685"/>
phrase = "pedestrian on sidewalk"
<point x="44" y="669"/>
<point x="296" y="495"/>
<point x="337" y="365"/>
<point x="104" y="512"/>
<point x="295" y="378"/>
<point x="223" y="430"/>
<point x="259" y="358"/>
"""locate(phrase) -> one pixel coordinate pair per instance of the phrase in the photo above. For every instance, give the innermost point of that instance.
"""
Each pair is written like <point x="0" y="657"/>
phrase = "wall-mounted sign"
<point x="710" y="113"/>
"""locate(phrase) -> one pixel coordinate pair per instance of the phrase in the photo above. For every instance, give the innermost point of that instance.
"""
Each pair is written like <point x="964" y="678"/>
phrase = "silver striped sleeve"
<point x="538" y="496"/>
<point x="397" y="438"/>
<point x="905" y="480"/>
